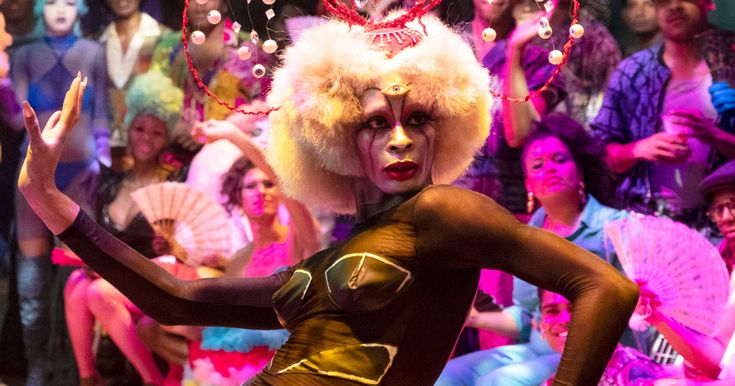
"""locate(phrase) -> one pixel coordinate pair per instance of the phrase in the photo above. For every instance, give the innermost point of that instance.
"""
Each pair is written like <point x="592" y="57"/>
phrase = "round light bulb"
<point x="270" y="46"/>
<point x="489" y="34"/>
<point x="258" y="71"/>
<point x="269" y="2"/>
<point x="576" y="31"/>
<point x="198" y="37"/>
<point x="244" y="53"/>
<point x="555" y="57"/>
<point x="545" y="32"/>
<point x="214" y="16"/>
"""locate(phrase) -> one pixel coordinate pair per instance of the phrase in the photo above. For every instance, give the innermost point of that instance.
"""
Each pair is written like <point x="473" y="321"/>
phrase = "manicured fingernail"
<point x="26" y="109"/>
<point x="79" y="74"/>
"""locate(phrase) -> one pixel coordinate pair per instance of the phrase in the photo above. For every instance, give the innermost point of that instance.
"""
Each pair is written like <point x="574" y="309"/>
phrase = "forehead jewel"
<point x="393" y="40"/>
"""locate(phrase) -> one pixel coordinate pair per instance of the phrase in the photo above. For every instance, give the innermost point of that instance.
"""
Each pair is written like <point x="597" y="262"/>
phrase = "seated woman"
<point x="367" y="125"/>
<point x="227" y="356"/>
<point x="565" y="173"/>
<point x="627" y="366"/>
<point x="153" y="108"/>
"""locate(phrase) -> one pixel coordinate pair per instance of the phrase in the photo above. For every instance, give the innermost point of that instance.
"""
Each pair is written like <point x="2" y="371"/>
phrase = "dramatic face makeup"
<point x="550" y="169"/>
<point x="60" y="16"/>
<point x="556" y="312"/>
<point x="260" y="196"/>
<point x="395" y="140"/>
<point x="147" y="136"/>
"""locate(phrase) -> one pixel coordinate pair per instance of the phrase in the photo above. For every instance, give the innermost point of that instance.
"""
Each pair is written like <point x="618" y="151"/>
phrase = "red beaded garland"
<point x="352" y="17"/>
<point x="198" y="79"/>
<point x="567" y="49"/>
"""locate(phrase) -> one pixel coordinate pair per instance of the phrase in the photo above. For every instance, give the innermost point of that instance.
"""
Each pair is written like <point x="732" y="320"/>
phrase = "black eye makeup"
<point x="376" y="123"/>
<point x="417" y="118"/>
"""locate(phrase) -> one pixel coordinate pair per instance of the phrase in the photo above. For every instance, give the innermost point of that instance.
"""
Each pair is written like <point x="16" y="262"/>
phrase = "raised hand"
<point x="213" y="130"/>
<point x="524" y="32"/>
<point x="45" y="146"/>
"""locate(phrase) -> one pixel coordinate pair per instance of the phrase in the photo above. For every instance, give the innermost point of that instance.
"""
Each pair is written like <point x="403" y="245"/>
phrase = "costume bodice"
<point x="364" y="299"/>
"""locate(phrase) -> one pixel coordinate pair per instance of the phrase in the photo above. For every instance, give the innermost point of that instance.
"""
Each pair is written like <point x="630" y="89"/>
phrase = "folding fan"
<point x="188" y="218"/>
<point x="680" y="265"/>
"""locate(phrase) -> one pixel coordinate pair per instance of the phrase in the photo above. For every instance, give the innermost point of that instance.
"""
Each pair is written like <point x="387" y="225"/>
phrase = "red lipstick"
<point x="401" y="171"/>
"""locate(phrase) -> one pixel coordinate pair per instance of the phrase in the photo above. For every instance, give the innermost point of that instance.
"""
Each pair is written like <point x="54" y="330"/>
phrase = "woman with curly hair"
<point x="566" y="174"/>
<point x="367" y="123"/>
<point x="230" y="356"/>
<point x="153" y="104"/>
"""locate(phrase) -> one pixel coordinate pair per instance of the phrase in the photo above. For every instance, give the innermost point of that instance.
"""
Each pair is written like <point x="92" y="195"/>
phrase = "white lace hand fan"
<point x="188" y="218"/>
<point x="680" y="265"/>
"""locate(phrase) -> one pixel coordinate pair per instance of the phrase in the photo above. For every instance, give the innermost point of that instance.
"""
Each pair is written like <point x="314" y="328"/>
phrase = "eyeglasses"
<point x="717" y="212"/>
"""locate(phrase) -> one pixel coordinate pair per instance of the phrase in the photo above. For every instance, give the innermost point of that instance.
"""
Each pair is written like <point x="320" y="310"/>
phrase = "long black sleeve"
<point x="471" y="230"/>
<point x="231" y="302"/>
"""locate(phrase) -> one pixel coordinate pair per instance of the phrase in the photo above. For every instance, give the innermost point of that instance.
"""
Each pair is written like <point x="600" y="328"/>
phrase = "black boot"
<point x="34" y="278"/>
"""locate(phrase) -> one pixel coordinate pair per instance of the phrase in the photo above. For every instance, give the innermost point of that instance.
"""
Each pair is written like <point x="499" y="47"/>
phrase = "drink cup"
<point x="671" y="127"/>
<point x="682" y="132"/>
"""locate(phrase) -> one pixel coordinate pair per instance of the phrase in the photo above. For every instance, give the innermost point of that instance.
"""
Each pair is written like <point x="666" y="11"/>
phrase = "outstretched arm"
<point x="461" y="229"/>
<point x="229" y="302"/>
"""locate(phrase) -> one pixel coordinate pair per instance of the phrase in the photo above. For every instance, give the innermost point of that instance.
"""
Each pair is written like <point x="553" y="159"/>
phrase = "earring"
<point x="529" y="202"/>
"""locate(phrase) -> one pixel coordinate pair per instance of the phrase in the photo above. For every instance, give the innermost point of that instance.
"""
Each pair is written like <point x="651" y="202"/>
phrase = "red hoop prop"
<point x="352" y="17"/>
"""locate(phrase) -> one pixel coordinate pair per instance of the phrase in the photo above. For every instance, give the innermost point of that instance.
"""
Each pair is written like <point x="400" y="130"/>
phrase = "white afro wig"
<point x="318" y="87"/>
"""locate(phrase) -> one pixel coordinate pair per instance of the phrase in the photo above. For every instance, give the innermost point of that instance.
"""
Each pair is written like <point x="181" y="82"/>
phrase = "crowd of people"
<point x="361" y="133"/>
